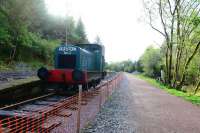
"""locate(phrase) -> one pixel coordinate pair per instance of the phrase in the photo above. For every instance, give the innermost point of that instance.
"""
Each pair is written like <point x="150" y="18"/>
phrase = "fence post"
<point x="16" y="123"/>
<point x="100" y="99"/>
<point x="1" y="130"/>
<point x="116" y="83"/>
<point x="8" y="121"/>
<point x="111" y="87"/>
<point x="43" y="121"/>
<point x="27" y="124"/>
<point x="107" y="89"/>
<point x="79" y="109"/>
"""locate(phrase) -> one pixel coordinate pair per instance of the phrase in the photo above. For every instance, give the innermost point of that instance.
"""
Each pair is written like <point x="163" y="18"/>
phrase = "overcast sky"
<point x="117" y="22"/>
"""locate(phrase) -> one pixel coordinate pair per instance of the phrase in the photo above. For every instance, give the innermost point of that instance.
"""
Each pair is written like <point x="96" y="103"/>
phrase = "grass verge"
<point x="195" y="99"/>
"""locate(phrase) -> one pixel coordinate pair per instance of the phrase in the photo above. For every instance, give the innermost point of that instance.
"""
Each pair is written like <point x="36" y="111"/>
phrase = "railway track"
<point x="31" y="100"/>
<point x="35" y="111"/>
<point x="26" y="101"/>
<point x="38" y="112"/>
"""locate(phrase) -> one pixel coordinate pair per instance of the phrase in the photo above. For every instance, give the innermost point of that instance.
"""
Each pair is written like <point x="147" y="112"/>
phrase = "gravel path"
<point x="137" y="107"/>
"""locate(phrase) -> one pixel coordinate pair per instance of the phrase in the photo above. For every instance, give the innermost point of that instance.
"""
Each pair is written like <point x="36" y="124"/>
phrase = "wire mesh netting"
<point x="66" y="116"/>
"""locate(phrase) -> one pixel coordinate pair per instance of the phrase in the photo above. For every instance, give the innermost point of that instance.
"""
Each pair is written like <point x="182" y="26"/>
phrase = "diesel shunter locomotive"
<point x="76" y="64"/>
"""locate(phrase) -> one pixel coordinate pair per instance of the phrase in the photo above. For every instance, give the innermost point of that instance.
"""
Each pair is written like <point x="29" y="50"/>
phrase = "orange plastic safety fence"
<point x="35" y="122"/>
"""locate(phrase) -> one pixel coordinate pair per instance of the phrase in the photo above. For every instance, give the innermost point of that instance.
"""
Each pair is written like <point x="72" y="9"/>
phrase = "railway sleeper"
<point x="64" y="114"/>
<point x="83" y="102"/>
<point x="48" y="126"/>
<point x="92" y="94"/>
<point x="85" y="99"/>
<point x="13" y="113"/>
<point x="52" y="100"/>
<point x="33" y="124"/>
<point x="88" y="96"/>
<point x="22" y="121"/>
<point x="38" y="110"/>
<point x="48" y="103"/>
<point x="71" y="107"/>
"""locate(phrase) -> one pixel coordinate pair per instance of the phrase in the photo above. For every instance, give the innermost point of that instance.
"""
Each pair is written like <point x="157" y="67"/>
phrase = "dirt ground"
<point x="141" y="108"/>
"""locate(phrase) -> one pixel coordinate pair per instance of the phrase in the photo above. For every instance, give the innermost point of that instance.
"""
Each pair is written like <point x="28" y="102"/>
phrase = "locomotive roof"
<point x="94" y="46"/>
<point x="81" y="44"/>
<point x="72" y="45"/>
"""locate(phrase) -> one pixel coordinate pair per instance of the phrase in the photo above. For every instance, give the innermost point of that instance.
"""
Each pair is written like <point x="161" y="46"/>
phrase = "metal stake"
<point x="100" y="99"/>
<point x="107" y="91"/>
<point x="79" y="108"/>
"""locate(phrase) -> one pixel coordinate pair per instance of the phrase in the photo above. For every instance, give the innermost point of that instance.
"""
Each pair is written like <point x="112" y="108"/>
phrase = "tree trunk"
<point x="170" y="65"/>
<point x="187" y="64"/>
<point x="197" y="87"/>
<point x="176" y="67"/>
<point x="167" y="66"/>
<point x="12" y="55"/>
<point x="178" y="47"/>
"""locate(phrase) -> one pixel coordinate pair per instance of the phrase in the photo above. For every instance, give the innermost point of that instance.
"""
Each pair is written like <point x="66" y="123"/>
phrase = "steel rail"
<point x="26" y="101"/>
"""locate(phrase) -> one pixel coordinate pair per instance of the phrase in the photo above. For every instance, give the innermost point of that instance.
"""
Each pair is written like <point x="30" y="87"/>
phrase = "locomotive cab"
<point x="66" y="57"/>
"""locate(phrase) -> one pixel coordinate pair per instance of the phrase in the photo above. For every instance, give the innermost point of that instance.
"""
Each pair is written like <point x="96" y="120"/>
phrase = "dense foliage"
<point x="126" y="66"/>
<point x="29" y="34"/>
<point x="178" y="21"/>
<point x="151" y="62"/>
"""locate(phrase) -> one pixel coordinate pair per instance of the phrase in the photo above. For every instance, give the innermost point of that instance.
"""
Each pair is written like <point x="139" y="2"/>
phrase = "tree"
<point x="166" y="13"/>
<point x="80" y="32"/>
<point x="98" y="40"/>
<point x="126" y="66"/>
<point x="28" y="32"/>
<point x="151" y="61"/>
<point x="180" y="21"/>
